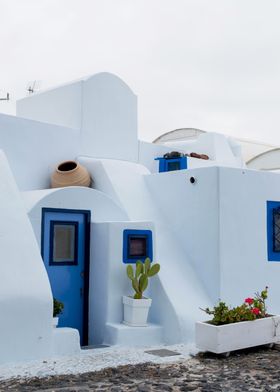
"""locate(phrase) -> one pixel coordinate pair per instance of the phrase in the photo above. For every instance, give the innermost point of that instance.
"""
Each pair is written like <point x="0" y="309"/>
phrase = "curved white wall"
<point x="140" y="193"/>
<point x="101" y="106"/>
<point x="102" y="206"/>
<point x="25" y="294"/>
<point x="103" y="209"/>
<point x="109" y="119"/>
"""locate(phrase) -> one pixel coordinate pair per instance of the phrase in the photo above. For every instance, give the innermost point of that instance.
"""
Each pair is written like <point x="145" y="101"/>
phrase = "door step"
<point x="121" y="334"/>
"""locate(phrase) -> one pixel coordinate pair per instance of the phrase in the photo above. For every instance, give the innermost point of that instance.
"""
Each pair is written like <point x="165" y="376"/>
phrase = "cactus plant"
<point x="140" y="277"/>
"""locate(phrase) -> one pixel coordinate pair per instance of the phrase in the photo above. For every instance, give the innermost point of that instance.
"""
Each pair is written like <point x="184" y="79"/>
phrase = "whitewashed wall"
<point x="220" y="149"/>
<point x="140" y="195"/>
<point x="109" y="119"/>
<point x="33" y="149"/>
<point x="109" y="281"/>
<point x="60" y="105"/>
<point x="103" y="209"/>
<point x="102" y="107"/>
<point x="148" y="152"/>
<point x="243" y="235"/>
<point x="191" y="214"/>
<point x="25" y="294"/>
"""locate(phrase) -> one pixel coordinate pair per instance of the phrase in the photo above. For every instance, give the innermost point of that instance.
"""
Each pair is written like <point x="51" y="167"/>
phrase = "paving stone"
<point x="162" y="352"/>
<point x="249" y="370"/>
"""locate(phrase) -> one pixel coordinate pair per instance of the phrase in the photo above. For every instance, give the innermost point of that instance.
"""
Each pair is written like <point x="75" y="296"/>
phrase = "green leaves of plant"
<point x="147" y="265"/>
<point x="129" y="271"/>
<point x="154" y="270"/>
<point x="139" y="268"/>
<point x="251" y="309"/>
<point x="140" y="280"/>
<point x="135" y="285"/>
<point x="143" y="282"/>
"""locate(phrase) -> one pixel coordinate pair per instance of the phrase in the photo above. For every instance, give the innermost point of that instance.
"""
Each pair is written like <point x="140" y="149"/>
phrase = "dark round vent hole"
<point x="192" y="180"/>
<point x="67" y="166"/>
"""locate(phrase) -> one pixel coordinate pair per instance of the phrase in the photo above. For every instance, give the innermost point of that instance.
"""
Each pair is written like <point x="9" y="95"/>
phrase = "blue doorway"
<point x="65" y="251"/>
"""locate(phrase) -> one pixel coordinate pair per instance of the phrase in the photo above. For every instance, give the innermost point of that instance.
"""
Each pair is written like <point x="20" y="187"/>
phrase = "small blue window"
<point x="273" y="230"/>
<point x="63" y="243"/>
<point x="172" y="164"/>
<point x="137" y="245"/>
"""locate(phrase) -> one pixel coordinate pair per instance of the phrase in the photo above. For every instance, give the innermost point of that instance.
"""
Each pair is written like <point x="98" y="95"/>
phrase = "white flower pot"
<point x="136" y="311"/>
<point x="55" y="321"/>
<point x="236" y="336"/>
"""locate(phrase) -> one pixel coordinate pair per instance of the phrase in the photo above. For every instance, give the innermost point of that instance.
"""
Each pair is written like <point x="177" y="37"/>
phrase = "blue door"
<point x="65" y="251"/>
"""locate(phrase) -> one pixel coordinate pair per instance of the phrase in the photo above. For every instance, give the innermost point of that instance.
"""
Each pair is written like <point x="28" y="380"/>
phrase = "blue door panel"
<point x="69" y="281"/>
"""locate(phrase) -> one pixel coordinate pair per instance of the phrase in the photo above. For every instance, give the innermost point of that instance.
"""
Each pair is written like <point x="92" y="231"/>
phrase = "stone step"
<point x="121" y="334"/>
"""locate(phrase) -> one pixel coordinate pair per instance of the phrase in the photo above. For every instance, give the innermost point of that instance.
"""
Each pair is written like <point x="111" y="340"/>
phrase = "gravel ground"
<point x="248" y="370"/>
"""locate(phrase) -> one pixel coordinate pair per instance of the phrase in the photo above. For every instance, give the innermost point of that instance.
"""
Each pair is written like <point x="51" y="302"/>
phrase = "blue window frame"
<point x="273" y="230"/>
<point x="137" y="245"/>
<point x="172" y="164"/>
<point x="63" y="243"/>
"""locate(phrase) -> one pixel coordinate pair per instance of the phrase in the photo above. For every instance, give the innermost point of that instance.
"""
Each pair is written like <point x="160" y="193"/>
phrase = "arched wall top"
<point x="102" y="107"/>
<point x="108" y="119"/>
<point x="267" y="160"/>
<point x="103" y="207"/>
<point x="110" y="77"/>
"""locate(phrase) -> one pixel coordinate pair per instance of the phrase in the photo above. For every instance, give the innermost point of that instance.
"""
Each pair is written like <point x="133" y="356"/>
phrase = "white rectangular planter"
<point x="236" y="336"/>
<point x="136" y="311"/>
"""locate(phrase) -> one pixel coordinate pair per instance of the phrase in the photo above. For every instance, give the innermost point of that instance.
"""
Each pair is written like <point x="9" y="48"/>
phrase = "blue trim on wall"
<point x="272" y="255"/>
<point x="87" y="223"/>
<point x="164" y="163"/>
<point x="127" y="234"/>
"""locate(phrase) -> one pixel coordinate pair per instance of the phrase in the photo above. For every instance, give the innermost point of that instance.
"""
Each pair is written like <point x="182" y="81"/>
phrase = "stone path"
<point x="248" y="370"/>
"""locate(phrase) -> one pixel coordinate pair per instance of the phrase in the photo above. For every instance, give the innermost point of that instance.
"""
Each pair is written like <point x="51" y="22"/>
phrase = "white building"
<point x="209" y="225"/>
<point x="255" y="154"/>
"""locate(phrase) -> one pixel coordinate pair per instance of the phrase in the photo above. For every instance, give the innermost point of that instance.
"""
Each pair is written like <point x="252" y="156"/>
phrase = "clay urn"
<point x="70" y="173"/>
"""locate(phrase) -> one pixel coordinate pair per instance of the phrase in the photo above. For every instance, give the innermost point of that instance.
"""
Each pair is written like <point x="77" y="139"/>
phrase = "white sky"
<point x="209" y="64"/>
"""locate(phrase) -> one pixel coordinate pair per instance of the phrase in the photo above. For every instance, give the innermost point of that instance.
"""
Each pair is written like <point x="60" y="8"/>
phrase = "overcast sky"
<point x="209" y="64"/>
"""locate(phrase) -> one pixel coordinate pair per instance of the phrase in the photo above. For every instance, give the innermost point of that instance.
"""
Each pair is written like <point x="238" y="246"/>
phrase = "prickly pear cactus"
<point x="140" y="277"/>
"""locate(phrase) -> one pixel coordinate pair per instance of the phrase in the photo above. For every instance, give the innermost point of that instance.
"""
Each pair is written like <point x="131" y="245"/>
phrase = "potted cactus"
<point x="136" y="308"/>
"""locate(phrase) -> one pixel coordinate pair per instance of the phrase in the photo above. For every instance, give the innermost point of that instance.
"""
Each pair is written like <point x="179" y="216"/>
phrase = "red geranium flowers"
<point x="249" y="301"/>
<point x="256" y="311"/>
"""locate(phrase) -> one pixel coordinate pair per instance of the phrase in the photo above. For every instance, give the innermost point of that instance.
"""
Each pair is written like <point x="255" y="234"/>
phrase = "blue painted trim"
<point x="127" y="234"/>
<point x="66" y="223"/>
<point x="272" y="255"/>
<point x="163" y="163"/>
<point x="87" y="217"/>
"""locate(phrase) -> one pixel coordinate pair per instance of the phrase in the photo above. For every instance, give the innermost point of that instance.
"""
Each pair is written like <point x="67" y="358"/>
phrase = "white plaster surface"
<point x="93" y="360"/>
<point x="33" y="149"/>
<point x="124" y="335"/>
<point x="109" y="118"/>
<point x="108" y="279"/>
<point x="61" y="105"/>
<point x="141" y="195"/>
<point x="102" y="107"/>
<point x="237" y="336"/>
<point x="221" y="149"/>
<point x="25" y="294"/>
<point x="209" y="237"/>
<point x="244" y="266"/>
<point x="66" y="341"/>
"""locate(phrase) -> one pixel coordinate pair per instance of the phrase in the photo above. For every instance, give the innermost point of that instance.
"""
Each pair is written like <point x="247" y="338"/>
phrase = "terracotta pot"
<point x="70" y="173"/>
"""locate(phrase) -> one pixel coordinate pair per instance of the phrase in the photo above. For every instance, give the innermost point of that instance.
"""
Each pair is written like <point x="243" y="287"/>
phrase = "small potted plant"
<point x="243" y="326"/>
<point x="136" y="308"/>
<point x="57" y="310"/>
